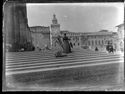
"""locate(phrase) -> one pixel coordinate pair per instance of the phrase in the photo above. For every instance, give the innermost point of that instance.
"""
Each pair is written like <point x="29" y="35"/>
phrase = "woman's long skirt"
<point x="66" y="47"/>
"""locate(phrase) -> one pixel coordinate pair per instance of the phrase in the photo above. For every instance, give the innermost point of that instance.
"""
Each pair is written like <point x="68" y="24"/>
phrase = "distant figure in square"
<point x="33" y="48"/>
<point x="66" y="45"/>
<point x="78" y="44"/>
<point x="38" y="49"/>
<point x="110" y="48"/>
<point x="96" y="49"/>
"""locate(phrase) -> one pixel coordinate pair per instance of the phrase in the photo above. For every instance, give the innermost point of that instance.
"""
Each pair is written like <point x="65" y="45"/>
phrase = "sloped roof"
<point x="120" y="25"/>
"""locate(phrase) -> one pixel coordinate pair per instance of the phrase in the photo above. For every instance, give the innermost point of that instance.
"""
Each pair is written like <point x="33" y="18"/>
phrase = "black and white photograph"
<point x="63" y="47"/>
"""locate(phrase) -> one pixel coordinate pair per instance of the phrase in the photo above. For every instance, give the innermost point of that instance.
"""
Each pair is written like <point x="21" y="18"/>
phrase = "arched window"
<point x="78" y="44"/>
<point x="74" y="44"/>
<point x="99" y="42"/>
<point x="95" y="42"/>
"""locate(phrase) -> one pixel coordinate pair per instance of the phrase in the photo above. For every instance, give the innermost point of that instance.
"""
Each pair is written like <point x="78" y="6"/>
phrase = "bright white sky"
<point x="77" y="17"/>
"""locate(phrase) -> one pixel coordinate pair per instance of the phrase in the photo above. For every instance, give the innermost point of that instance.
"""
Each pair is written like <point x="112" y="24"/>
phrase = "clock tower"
<point x="55" y="27"/>
<point x="55" y="31"/>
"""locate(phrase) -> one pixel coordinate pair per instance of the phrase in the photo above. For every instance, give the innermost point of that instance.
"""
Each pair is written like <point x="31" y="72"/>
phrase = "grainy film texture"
<point x="64" y="46"/>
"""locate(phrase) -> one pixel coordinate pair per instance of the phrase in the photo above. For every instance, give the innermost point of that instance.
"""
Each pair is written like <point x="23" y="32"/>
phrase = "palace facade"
<point x="99" y="39"/>
<point x="92" y="39"/>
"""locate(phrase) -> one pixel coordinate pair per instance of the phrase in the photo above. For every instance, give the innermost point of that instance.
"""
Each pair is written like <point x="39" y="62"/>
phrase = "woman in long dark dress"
<point x="66" y="45"/>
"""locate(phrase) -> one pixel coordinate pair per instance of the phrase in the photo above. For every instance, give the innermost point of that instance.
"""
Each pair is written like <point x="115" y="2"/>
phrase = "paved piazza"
<point x="80" y="70"/>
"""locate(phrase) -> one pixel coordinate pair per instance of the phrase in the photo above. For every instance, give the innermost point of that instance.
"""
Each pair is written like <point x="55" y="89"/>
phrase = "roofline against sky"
<point x="116" y="5"/>
<point x="99" y="4"/>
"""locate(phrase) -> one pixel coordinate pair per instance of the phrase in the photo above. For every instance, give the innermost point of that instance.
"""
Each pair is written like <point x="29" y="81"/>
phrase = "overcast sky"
<point x="77" y="17"/>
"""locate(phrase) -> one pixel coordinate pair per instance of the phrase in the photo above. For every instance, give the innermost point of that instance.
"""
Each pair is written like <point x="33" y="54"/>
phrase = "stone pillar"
<point x="16" y="29"/>
<point x="8" y="26"/>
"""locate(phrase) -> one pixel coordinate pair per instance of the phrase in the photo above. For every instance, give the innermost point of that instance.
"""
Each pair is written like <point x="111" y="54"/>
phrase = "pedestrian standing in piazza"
<point x="66" y="45"/>
<point x="96" y="49"/>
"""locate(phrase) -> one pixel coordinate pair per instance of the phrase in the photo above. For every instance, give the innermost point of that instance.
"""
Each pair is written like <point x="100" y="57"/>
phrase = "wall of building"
<point x="40" y="40"/>
<point x="97" y="40"/>
<point x="121" y="37"/>
<point x="16" y="26"/>
<point x="55" y="29"/>
<point x="40" y="36"/>
<point x="121" y="31"/>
